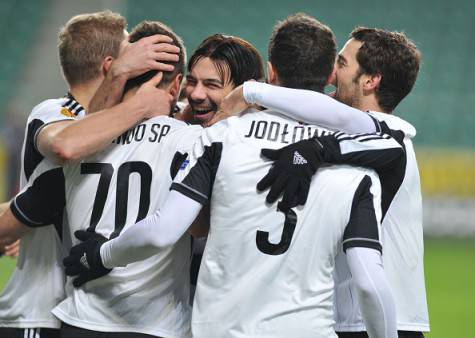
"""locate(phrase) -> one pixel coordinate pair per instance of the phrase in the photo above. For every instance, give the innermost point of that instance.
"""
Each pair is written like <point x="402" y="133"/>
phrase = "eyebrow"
<point x="213" y="81"/>
<point x="341" y="58"/>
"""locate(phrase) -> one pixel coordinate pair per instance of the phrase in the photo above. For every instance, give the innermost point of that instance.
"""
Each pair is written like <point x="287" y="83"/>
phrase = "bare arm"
<point x="136" y="58"/>
<point x="69" y="141"/>
<point x="11" y="229"/>
<point x="4" y="206"/>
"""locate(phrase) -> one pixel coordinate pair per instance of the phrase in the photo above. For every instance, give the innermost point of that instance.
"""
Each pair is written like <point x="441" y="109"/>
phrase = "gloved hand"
<point x="84" y="260"/>
<point x="292" y="171"/>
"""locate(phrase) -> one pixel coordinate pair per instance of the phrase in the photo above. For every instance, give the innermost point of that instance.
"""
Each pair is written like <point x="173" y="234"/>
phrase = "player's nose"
<point x="198" y="93"/>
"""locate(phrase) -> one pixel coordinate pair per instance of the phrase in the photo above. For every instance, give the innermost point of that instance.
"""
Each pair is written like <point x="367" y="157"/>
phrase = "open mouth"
<point x="203" y="115"/>
<point x="201" y="112"/>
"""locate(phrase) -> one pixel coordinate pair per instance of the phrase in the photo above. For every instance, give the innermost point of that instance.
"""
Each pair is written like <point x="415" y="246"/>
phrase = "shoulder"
<point x="395" y="123"/>
<point x="50" y="109"/>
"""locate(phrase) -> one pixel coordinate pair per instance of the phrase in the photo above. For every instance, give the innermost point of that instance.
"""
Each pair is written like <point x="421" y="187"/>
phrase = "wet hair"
<point x="236" y="60"/>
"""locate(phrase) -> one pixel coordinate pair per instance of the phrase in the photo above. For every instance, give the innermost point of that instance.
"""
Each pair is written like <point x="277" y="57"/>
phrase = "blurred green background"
<point x="441" y="106"/>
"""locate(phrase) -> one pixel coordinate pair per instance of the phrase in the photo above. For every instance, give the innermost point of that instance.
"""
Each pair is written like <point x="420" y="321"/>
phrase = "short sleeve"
<point x="363" y="227"/>
<point x="41" y="202"/>
<point x="196" y="174"/>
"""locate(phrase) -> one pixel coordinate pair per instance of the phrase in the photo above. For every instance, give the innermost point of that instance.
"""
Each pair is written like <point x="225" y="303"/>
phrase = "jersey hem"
<point x="31" y="324"/>
<point x="113" y="328"/>
<point x="22" y="217"/>
<point x="190" y="192"/>
<point x="35" y="137"/>
<point x="362" y="243"/>
<point x="419" y="327"/>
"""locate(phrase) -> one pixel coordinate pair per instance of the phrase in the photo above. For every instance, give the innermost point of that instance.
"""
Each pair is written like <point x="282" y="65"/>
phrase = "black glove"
<point x="292" y="171"/>
<point x="84" y="259"/>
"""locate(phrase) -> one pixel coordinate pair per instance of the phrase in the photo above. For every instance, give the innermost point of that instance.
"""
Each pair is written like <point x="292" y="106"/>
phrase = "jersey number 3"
<point x="122" y="192"/>
<point x="262" y="237"/>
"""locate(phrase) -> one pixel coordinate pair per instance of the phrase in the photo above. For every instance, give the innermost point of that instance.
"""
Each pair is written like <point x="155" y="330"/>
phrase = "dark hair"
<point x="149" y="28"/>
<point x="302" y="51"/>
<point x="85" y="41"/>
<point x="230" y="53"/>
<point x="394" y="57"/>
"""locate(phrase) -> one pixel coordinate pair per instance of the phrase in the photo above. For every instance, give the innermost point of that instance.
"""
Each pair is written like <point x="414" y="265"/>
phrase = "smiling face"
<point x="205" y="88"/>
<point x="349" y="88"/>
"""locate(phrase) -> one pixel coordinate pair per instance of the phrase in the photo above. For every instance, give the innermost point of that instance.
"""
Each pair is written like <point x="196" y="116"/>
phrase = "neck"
<point x="84" y="92"/>
<point x="369" y="103"/>
<point x="129" y="93"/>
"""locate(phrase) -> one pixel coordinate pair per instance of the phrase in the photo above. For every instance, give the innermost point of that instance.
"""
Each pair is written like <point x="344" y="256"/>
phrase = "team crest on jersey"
<point x="184" y="164"/>
<point x="67" y="112"/>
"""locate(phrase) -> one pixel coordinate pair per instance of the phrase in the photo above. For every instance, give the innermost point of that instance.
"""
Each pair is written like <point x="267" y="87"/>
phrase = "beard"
<point x="202" y="111"/>
<point x="348" y="94"/>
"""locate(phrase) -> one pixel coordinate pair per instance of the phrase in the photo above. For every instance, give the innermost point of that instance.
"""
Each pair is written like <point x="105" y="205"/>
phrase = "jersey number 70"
<point x="106" y="170"/>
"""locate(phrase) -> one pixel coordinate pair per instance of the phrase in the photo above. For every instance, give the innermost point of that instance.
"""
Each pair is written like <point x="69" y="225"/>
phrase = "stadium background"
<point x="441" y="106"/>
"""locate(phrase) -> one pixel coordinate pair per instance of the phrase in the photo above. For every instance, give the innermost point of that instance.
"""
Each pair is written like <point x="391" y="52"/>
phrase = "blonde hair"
<point x="86" y="40"/>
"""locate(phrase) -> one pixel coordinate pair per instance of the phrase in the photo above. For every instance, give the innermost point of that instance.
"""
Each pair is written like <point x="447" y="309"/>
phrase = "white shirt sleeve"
<point x="310" y="107"/>
<point x="373" y="292"/>
<point x="157" y="231"/>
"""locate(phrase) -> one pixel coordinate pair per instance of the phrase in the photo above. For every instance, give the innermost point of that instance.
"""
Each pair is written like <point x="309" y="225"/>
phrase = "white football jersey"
<point x="402" y="239"/>
<point x="37" y="283"/>
<point x="268" y="273"/>
<point x="109" y="192"/>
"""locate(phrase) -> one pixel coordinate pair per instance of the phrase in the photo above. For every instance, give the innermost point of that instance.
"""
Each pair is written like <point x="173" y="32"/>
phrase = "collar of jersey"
<point x="73" y="105"/>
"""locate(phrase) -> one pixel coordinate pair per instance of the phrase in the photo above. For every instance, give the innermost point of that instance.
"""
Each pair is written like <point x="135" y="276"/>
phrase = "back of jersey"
<point x="265" y="273"/>
<point x="107" y="193"/>
<point x="402" y="239"/>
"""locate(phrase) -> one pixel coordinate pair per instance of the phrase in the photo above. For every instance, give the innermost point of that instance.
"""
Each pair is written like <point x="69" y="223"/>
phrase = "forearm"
<point x="78" y="139"/>
<point x="4" y="206"/>
<point x="109" y="93"/>
<point x="11" y="229"/>
<point x="375" y="151"/>
<point x="157" y="231"/>
<point x="309" y="106"/>
<point x="373" y="292"/>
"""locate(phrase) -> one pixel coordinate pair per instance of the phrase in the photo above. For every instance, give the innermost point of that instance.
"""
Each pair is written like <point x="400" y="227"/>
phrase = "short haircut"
<point x="394" y="57"/>
<point x="149" y="28"/>
<point x="233" y="54"/>
<point x="86" y="40"/>
<point x="302" y="51"/>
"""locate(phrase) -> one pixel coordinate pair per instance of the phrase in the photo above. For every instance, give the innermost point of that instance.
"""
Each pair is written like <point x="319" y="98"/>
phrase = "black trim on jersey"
<point x="363" y="137"/>
<point x="12" y="332"/>
<point x="190" y="192"/>
<point x="73" y="105"/>
<point x="35" y="137"/>
<point x="362" y="229"/>
<point x="198" y="184"/>
<point x="43" y="202"/>
<point x="389" y="164"/>
<point x="376" y="123"/>
<point x="31" y="157"/>
<point x="177" y="161"/>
